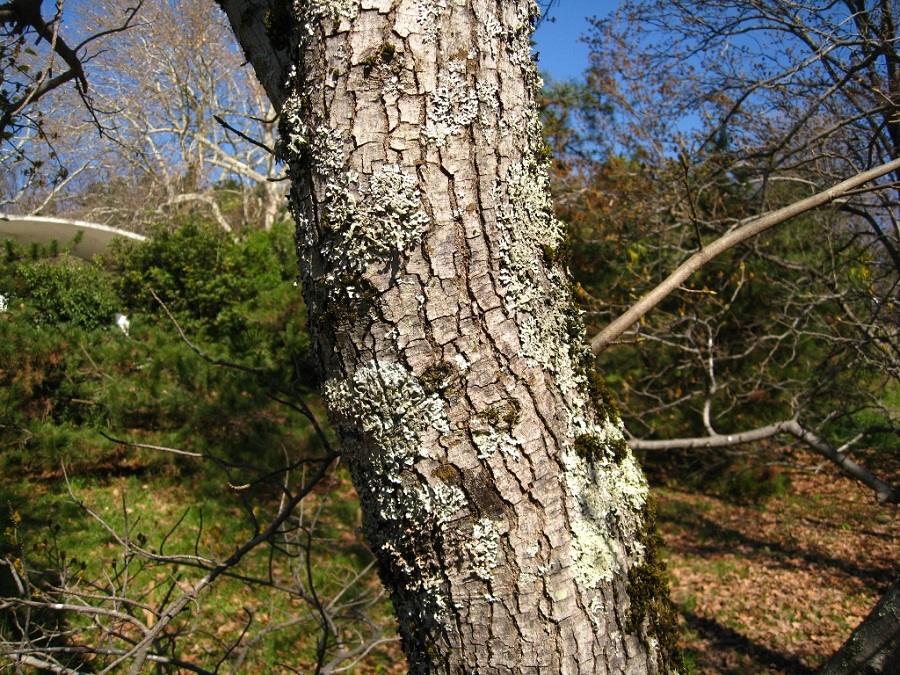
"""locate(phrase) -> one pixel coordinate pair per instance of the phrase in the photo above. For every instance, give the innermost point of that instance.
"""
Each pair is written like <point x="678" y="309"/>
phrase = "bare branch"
<point x="885" y="493"/>
<point x="757" y="225"/>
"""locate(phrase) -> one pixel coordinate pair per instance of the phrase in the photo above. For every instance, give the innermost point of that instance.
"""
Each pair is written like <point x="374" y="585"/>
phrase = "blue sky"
<point x="562" y="54"/>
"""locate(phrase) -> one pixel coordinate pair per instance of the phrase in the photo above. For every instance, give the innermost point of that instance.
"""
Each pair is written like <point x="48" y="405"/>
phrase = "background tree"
<point x="28" y="143"/>
<point x="791" y="333"/>
<point x="182" y="81"/>
<point x="183" y="124"/>
<point x="21" y="85"/>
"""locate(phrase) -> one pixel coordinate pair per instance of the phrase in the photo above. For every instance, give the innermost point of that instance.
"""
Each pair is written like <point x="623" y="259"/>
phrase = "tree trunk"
<point x="874" y="647"/>
<point x="512" y="525"/>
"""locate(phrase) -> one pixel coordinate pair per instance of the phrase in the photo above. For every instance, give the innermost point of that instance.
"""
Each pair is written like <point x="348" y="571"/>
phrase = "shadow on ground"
<point x="735" y="653"/>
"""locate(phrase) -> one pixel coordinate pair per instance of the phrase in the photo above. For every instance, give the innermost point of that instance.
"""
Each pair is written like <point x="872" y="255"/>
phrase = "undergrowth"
<point x="73" y="384"/>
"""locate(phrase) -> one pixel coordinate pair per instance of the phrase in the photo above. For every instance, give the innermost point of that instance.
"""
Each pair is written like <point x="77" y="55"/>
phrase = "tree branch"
<point x="756" y="226"/>
<point x="884" y="493"/>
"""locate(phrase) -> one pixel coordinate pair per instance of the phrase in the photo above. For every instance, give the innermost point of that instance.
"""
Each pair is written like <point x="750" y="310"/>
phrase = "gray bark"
<point x="874" y="647"/>
<point x="251" y="21"/>
<point x="511" y="523"/>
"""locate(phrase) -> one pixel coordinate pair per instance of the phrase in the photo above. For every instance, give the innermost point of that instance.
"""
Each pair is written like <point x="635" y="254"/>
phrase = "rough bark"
<point x="874" y="647"/>
<point x="512" y="525"/>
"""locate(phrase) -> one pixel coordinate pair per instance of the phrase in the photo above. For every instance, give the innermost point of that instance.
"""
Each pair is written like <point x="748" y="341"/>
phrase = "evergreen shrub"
<point x="67" y="372"/>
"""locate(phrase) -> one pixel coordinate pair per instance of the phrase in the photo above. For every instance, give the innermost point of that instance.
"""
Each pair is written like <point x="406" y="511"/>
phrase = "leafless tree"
<point x="24" y="85"/>
<point x="787" y="101"/>
<point x="141" y="605"/>
<point x="191" y="124"/>
<point x="29" y="74"/>
<point x="183" y="124"/>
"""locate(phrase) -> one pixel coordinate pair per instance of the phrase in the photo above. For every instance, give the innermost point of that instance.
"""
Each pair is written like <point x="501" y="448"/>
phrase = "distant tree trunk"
<point x="874" y="647"/>
<point x="511" y="523"/>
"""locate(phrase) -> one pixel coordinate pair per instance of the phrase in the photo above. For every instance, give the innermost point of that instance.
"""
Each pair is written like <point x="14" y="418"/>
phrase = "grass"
<point x="169" y="515"/>
<point x="771" y="585"/>
<point x="774" y="588"/>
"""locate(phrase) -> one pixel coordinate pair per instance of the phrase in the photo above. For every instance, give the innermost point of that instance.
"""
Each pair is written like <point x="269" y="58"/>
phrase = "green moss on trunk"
<point x="652" y="614"/>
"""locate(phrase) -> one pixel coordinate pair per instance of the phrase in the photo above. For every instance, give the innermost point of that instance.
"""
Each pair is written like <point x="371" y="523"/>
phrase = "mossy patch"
<point x="560" y="254"/>
<point x="652" y="614"/>
<point x="503" y="416"/>
<point x="449" y="474"/>
<point x="439" y="377"/>
<point x="590" y="447"/>
<point x="600" y="396"/>
<point x="369" y="64"/>
<point x="382" y="56"/>
<point x="387" y="51"/>
<point x="593" y="448"/>
<point x="279" y="23"/>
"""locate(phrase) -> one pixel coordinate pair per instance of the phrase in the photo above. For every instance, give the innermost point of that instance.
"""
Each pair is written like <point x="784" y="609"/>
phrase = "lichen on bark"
<point x="385" y="416"/>
<point x="497" y="493"/>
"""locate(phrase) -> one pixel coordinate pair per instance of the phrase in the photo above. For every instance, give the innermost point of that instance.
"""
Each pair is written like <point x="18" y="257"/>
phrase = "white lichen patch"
<point x="311" y="12"/>
<point x="526" y="213"/>
<point x="389" y="405"/>
<point x="452" y="106"/>
<point x="327" y="151"/>
<point x="528" y="232"/>
<point x="484" y="548"/>
<point x="597" y="607"/>
<point x="367" y="223"/>
<point x="520" y="38"/>
<point x="492" y="440"/>
<point x="385" y="415"/>
<point x="488" y="95"/>
<point x="431" y="602"/>
<point x="323" y="146"/>
<point x="442" y="501"/>
<point x="528" y="227"/>
<point x="489" y="30"/>
<point x="295" y="133"/>
<point x="608" y="497"/>
<point x="382" y="6"/>
<point x="430" y="14"/>
<point x="392" y="88"/>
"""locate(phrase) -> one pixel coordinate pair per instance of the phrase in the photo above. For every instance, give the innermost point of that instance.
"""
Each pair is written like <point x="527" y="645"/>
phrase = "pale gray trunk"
<point x="509" y="518"/>
<point x="273" y="190"/>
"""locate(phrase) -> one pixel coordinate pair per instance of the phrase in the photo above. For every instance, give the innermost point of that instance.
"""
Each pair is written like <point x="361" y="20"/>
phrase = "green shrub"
<point x="53" y="287"/>
<point x="67" y="371"/>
